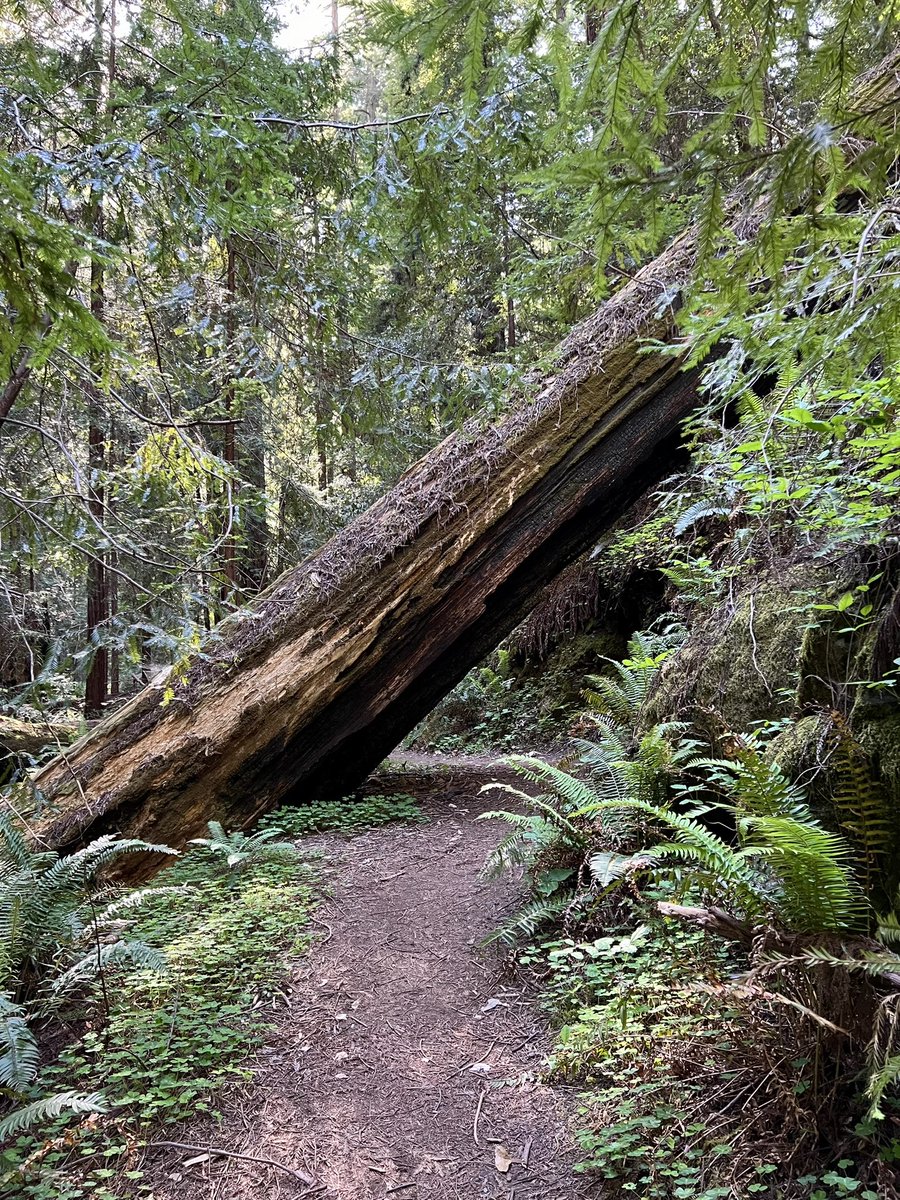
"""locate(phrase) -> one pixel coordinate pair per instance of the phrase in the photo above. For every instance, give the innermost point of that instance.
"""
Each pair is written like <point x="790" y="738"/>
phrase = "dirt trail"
<point x="405" y="1063"/>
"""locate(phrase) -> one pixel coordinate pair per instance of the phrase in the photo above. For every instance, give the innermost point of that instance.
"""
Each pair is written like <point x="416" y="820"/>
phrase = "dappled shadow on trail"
<point x="406" y="1062"/>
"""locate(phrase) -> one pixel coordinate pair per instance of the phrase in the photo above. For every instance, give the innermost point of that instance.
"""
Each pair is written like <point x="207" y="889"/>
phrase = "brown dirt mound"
<point x="406" y="1063"/>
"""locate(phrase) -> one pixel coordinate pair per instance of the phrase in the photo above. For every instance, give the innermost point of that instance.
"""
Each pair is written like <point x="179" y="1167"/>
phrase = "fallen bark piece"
<point x="714" y="920"/>
<point x="503" y="1160"/>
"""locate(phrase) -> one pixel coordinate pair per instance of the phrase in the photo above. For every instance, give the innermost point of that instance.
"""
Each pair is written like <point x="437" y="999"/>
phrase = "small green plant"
<point x="19" y="1062"/>
<point x="620" y="698"/>
<point x="345" y="815"/>
<point x="53" y="911"/>
<point x="173" y="1039"/>
<point x="234" y="852"/>
<point x="785" y="865"/>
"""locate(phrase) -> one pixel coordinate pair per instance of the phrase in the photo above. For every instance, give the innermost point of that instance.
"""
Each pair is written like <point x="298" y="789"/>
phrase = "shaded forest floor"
<point x="406" y="1060"/>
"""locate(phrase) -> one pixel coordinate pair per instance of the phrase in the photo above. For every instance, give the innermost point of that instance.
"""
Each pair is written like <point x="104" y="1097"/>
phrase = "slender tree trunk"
<point x="96" y="686"/>
<point x="592" y="18"/>
<point x="253" y="561"/>
<point x="229" y="450"/>
<point x="14" y="385"/>
<point x="510" y="302"/>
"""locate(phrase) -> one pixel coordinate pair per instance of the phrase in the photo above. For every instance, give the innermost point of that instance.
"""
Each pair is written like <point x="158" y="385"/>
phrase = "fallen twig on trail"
<point x="477" y="1115"/>
<point x="220" y="1153"/>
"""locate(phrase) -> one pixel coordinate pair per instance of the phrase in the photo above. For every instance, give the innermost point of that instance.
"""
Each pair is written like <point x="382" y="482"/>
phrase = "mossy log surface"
<point x="301" y="697"/>
<point x="31" y="737"/>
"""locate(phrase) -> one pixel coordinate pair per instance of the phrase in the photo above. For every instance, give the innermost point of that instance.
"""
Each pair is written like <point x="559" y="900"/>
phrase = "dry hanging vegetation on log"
<point x="302" y="695"/>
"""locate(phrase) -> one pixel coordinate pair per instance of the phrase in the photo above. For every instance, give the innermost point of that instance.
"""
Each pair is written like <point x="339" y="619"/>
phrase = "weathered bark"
<point x="343" y="655"/>
<point x="31" y="737"/>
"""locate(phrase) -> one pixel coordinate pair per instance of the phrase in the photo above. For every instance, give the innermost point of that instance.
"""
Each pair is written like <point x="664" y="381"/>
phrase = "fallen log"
<point x="307" y="692"/>
<point x="302" y="695"/>
<point x="29" y="738"/>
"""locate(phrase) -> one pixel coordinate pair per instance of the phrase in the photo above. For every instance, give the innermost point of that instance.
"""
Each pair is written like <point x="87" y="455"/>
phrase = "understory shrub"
<point x="753" y="1050"/>
<point x="168" y="1039"/>
<point x="344" y="815"/>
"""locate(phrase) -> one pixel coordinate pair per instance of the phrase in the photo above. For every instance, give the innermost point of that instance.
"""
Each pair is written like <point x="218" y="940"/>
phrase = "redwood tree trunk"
<point x="347" y="652"/>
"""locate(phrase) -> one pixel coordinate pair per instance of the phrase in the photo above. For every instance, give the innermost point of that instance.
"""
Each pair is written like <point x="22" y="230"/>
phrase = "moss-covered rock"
<point x="743" y="662"/>
<point x="875" y="721"/>
<point x="786" y="652"/>
<point x="803" y="751"/>
<point x="560" y="678"/>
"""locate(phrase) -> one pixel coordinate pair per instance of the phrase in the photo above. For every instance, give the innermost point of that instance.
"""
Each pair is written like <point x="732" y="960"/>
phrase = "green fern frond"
<point x="49" y="1108"/>
<point x="508" y="788"/>
<point x="888" y="928"/>
<point x="134" y="900"/>
<point x="695" y="512"/>
<point x="871" y="962"/>
<point x="815" y="869"/>
<point x="511" y="853"/>
<point x="217" y="832"/>
<point x="574" y="791"/>
<point x="519" y="820"/>
<point x="19" y="1054"/>
<point x="136" y="953"/>
<point x="864" y="809"/>
<point x="527" y="922"/>
<point x="607" y="867"/>
<point x="883" y="1077"/>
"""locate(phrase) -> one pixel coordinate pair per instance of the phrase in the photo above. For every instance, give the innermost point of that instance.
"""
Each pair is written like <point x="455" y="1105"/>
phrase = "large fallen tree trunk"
<point x="302" y="696"/>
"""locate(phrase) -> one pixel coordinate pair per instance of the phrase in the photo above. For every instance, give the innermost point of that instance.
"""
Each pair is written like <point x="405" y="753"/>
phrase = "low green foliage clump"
<point x="765" y="1064"/>
<point x="640" y="1038"/>
<point x="171" y="1038"/>
<point x="236" y="852"/>
<point x="690" y="1091"/>
<point x="493" y="709"/>
<point x="345" y="815"/>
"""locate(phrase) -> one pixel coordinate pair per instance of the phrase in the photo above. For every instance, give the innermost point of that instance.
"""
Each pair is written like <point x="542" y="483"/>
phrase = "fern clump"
<point x="60" y="934"/>
<point x="235" y="852"/>
<point x="557" y="839"/>
<point x="51" y="907"/>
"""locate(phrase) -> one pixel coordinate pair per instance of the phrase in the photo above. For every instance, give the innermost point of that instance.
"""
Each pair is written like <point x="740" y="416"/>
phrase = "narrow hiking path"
<point x="405" y="1062"/>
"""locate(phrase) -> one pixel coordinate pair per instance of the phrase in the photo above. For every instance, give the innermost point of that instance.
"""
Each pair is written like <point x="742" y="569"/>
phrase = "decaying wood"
<point x="305" y="694"/>
<point x="713" y="920"/>
<point x="31" y="737"/>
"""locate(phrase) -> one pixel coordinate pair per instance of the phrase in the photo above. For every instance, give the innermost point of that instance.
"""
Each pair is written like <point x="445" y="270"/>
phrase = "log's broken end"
<point x="715" y="920"/>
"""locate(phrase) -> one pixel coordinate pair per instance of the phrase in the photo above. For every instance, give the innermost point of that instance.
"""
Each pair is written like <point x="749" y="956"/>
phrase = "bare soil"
<point x="406" y="1061"/>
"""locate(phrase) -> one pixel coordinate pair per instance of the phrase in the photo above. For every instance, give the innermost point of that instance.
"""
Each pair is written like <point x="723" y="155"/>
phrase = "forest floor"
<point x="406" y="1061"/>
